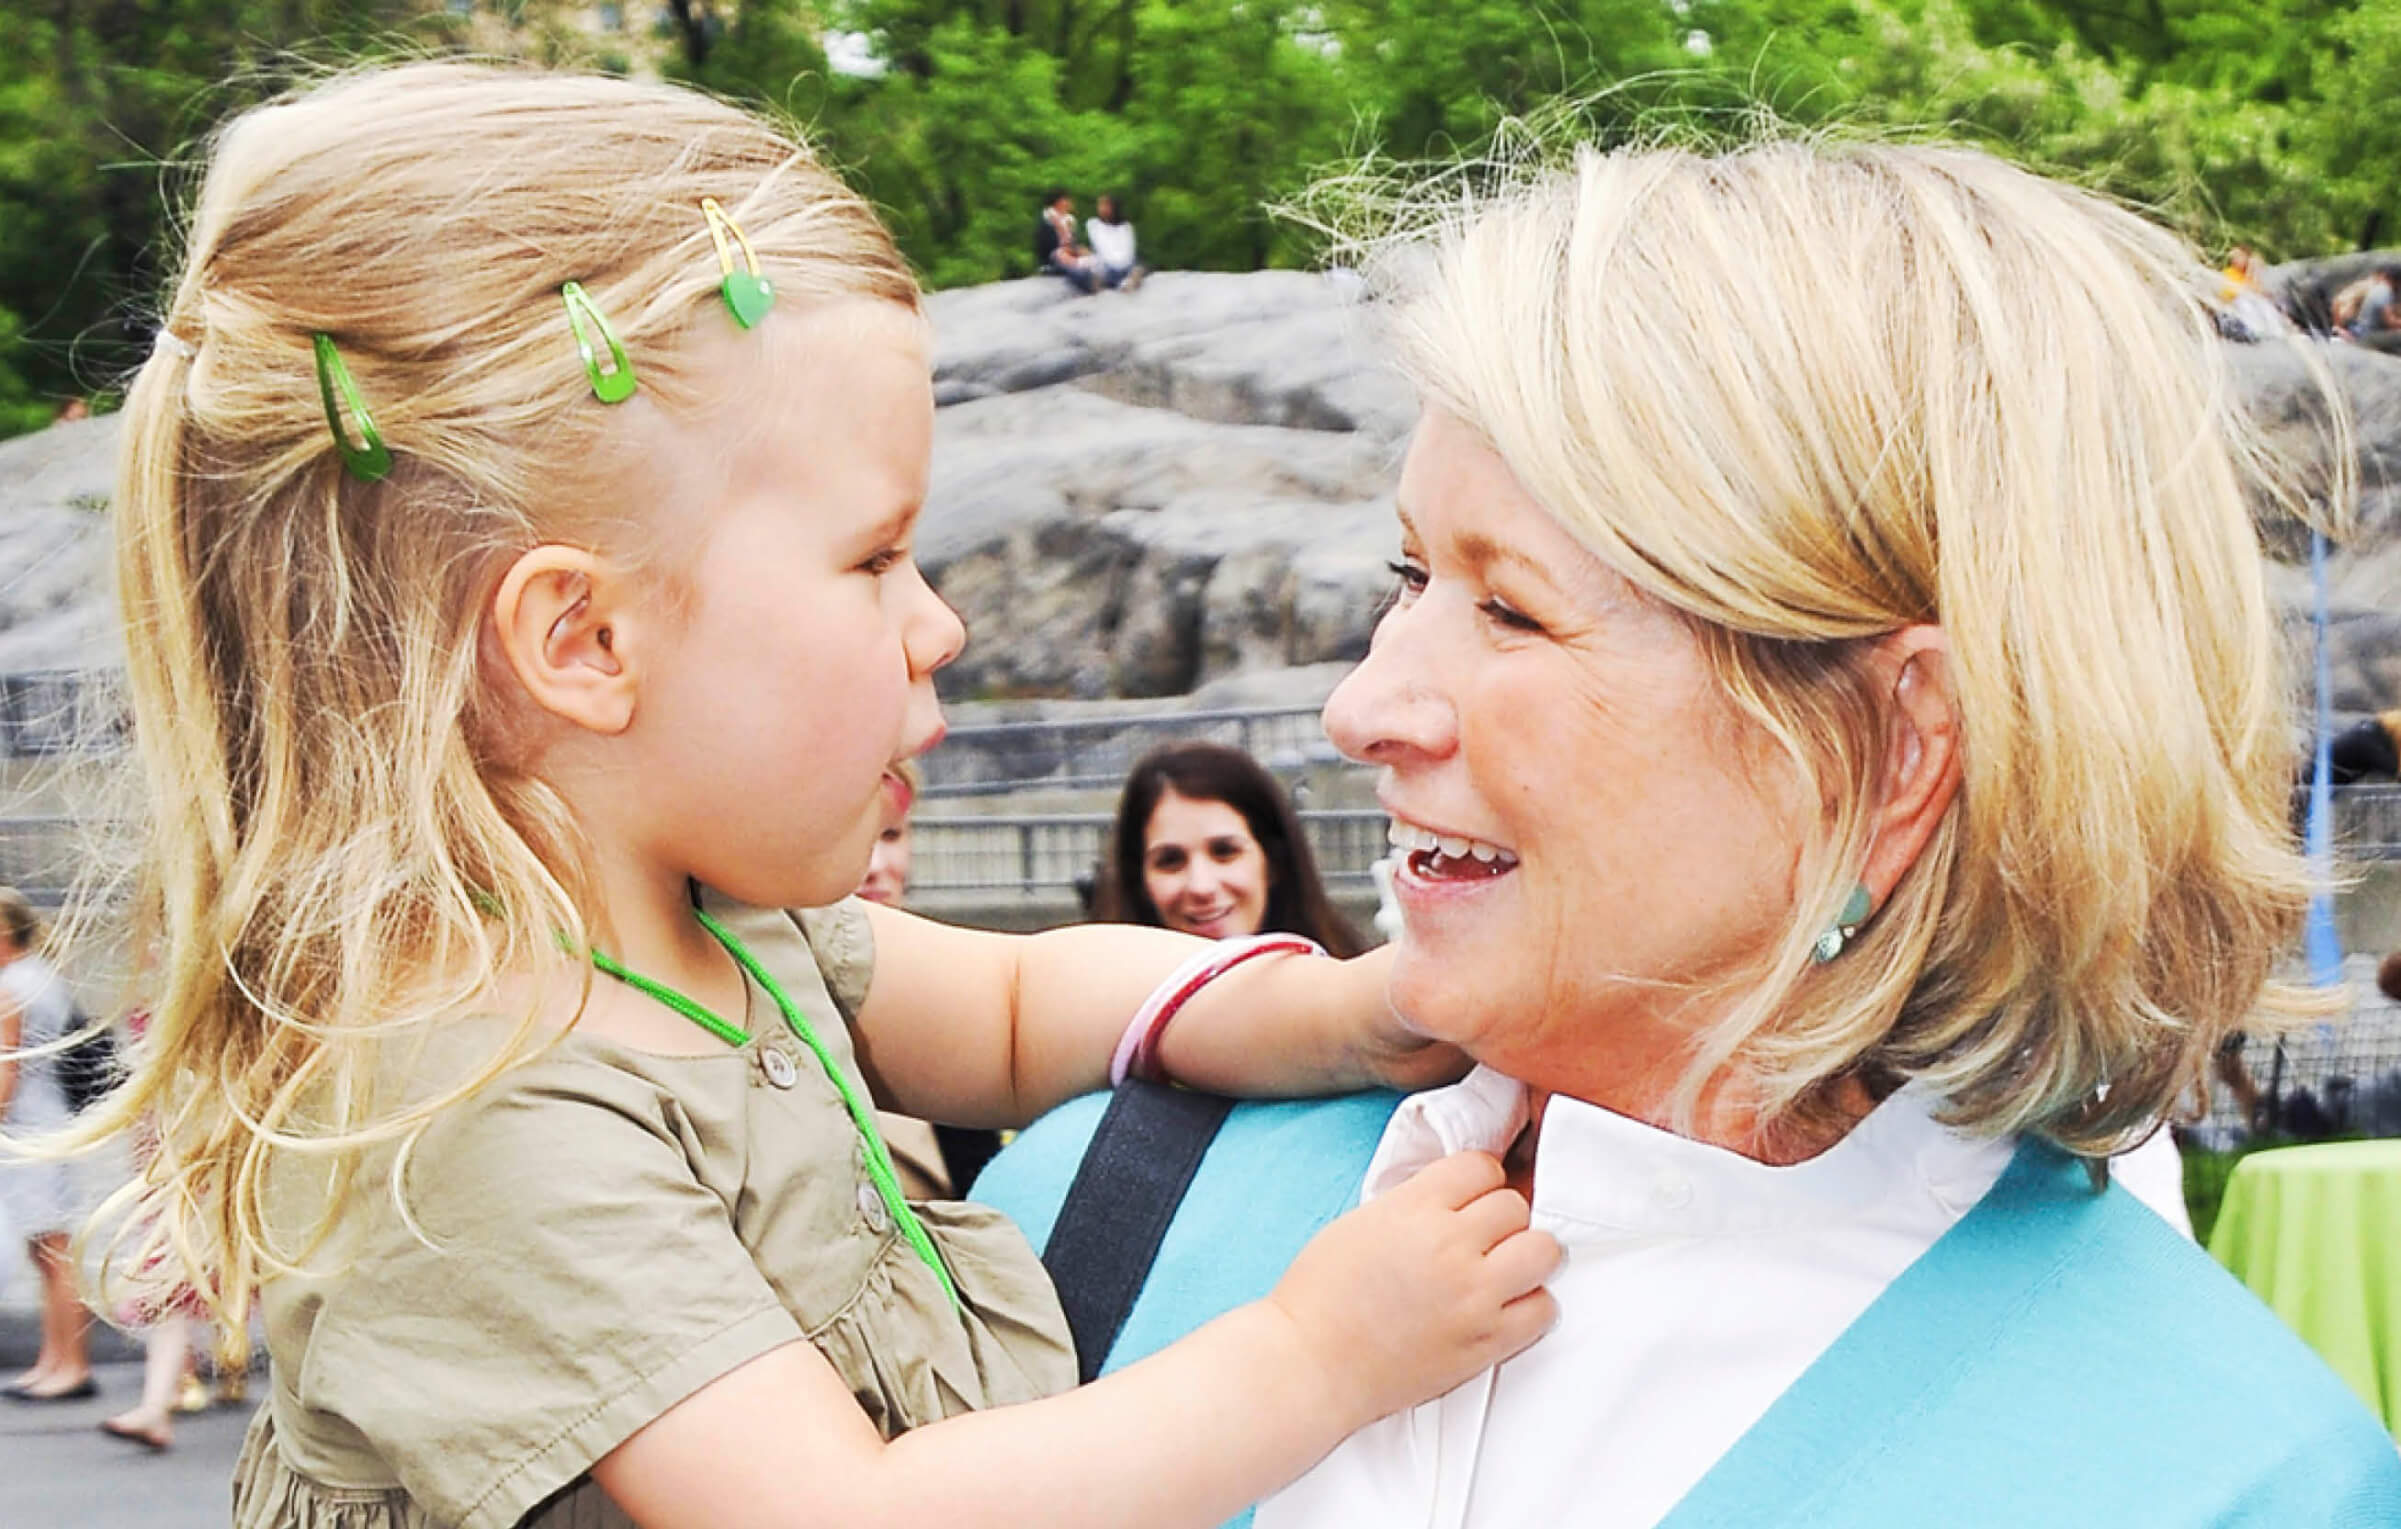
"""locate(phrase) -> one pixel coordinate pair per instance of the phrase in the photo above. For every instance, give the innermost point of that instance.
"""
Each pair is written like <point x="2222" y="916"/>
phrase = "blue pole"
<point x="2323" y="946"/>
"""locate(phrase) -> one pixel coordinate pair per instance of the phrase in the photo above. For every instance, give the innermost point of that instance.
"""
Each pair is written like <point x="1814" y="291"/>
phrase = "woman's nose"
<point x="1200" y="878"/>
<point x="1392" y="705"/>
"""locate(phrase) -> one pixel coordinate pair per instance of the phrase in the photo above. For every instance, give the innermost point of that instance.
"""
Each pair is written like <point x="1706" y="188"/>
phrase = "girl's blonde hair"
<point x="1809" y="393"/>
<point x="334" y="813"/>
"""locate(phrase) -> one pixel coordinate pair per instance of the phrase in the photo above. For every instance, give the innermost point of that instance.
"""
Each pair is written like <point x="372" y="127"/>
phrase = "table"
<point x="2316" y="1233"/>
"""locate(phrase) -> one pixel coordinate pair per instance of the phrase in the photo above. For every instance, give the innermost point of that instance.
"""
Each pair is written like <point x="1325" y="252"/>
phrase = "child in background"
<point x="514" y="540"/>
<point x="935" y="1162"/>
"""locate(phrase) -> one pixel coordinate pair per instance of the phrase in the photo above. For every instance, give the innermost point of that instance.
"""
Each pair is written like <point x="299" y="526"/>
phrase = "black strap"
<point x="1142" y="1157"/>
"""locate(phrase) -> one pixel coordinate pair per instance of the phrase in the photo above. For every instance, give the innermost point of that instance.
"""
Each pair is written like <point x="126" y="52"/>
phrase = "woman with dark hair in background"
<point x="1206" y="842"/>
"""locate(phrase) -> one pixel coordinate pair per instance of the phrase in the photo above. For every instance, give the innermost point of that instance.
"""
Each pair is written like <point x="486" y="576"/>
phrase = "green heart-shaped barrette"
<point x="747" y="297"/>
<point x="746" y="292"/>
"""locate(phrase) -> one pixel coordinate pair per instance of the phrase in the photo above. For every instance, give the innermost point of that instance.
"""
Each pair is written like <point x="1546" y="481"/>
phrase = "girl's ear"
<point x="561" y="618"/>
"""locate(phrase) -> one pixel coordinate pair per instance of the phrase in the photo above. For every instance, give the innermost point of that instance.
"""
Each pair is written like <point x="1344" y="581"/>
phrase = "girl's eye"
<point x="882" y="562"/>
<point x="1408" y="578"/>
<point x="1503" y="614"/>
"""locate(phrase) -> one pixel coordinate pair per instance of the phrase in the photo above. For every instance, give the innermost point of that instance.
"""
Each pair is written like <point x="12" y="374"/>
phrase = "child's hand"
<point x="1421" y="1288"/>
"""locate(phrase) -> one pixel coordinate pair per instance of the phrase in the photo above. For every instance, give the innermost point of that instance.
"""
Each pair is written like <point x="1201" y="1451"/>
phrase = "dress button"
<point x="871" y="1206"/>
<point x="778" y="1064"/>
<point x="1673" y="1189"/>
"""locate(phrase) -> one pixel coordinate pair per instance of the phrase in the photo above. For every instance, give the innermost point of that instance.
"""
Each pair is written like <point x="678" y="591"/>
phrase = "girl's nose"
<point x="936" y="634"/>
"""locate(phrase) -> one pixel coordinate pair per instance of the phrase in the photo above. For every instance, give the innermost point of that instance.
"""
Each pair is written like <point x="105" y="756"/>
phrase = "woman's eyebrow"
<point x="1480" y="552"/>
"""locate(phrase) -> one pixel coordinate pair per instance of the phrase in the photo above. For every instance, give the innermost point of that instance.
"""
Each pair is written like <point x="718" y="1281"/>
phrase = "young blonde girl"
<point x="514" y="543"/>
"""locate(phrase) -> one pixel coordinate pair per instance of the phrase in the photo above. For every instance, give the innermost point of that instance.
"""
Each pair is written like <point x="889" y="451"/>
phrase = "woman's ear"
<point x="1921" y="767"/>
<point x="560" y="617"/>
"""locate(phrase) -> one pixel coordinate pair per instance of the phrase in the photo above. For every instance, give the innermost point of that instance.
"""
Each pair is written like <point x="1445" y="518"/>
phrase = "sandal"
<point x="117" y="1428"/>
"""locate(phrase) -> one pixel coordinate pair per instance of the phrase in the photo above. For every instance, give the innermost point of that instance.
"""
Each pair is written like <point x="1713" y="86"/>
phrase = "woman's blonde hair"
<point x="334" y="815"/>
<point x="1809" y="393"/>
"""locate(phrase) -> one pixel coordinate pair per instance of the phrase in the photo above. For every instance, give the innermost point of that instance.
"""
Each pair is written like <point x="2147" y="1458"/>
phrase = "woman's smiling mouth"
<point x="1435" y="856"/>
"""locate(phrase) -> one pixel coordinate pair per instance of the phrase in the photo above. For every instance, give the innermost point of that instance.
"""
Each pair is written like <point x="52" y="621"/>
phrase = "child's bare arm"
<point x="1391" y="1305"/>
<point x="977" y="1028"/>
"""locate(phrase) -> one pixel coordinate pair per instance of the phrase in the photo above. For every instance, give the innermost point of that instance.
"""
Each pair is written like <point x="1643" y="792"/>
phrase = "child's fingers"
<point x="1524" y="1320"/>
<point x="1453" y="1181"/>
<point x="1495" y="1215"/>
<point x="1523" y="1260"/>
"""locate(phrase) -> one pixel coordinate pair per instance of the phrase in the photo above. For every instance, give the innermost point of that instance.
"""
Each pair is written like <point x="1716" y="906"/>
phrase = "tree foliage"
<point x="2260" y="120"/>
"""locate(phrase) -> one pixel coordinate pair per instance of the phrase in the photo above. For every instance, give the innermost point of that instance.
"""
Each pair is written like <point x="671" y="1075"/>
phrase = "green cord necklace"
<point x="879" y="1159"/>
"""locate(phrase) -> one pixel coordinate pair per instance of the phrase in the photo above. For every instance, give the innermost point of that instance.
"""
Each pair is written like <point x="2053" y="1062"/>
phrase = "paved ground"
<point x="59" y="1471"/>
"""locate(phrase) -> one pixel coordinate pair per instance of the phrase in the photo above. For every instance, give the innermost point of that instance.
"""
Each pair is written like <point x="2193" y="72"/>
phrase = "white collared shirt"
<point x="1698" y="1285"/>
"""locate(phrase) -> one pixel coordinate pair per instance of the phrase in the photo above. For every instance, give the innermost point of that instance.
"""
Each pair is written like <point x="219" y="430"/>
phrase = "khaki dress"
<point x="606" y="1231"/>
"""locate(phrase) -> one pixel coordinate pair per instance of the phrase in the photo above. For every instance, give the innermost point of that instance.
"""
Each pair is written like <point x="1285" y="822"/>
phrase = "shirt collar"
<point x="1602" y="1174"/>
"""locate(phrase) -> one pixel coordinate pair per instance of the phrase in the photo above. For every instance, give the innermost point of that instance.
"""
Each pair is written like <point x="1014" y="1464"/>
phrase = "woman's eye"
<point x="1167" y="864"/>
<point x="1225" y="849"/>
<point x="1409" y="580"/>
<point x="1505" y="615"/>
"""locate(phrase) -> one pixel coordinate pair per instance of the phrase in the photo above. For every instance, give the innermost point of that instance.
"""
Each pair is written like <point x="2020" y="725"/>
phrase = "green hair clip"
<point x="369" y="460"/>
<point x="613" y="383"/>
<point x="746" y="293"/>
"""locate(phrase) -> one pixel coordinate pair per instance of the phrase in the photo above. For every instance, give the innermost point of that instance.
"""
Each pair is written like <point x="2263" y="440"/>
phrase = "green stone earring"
<point x="1855" y="911"/>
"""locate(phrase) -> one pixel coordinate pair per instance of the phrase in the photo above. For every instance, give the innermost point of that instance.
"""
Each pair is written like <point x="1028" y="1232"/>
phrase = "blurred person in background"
<point x="1112" y="240"/>
<point x="888" y="863"/>
<point x="1206" y="842"/>
<point x="935" y="1162"/>
<point x="37" y="1196"/>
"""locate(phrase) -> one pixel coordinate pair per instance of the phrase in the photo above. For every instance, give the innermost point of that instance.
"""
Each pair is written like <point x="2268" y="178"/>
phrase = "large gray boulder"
<point x="2283" y="384"/>
<point x="54" y="494"/>
<point x="1144" y="495"/>
<point x="1137" y="494"/>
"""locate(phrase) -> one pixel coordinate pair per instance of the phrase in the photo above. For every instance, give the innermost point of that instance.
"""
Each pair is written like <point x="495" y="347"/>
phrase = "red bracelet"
<point x="1138" y="1049"/>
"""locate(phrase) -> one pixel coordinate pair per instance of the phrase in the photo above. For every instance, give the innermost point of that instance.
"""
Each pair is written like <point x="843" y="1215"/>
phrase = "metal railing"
<point x="2367" y="822"/>
<point x="59" y="711"/>
<point x="1035" y="854"/>
<point x="1084" y="753"/>
<point x="42" y="855"/>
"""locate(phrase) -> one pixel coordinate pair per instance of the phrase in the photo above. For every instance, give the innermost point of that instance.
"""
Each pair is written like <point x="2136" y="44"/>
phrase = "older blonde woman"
<point x="1837" y="737"/>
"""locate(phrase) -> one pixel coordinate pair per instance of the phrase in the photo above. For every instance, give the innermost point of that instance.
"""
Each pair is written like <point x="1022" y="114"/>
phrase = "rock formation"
<point x="1142" y="495"/>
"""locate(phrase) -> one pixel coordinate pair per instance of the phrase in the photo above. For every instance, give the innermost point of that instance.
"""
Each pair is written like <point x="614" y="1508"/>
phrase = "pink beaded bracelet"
<point x="1138" y="1049"/>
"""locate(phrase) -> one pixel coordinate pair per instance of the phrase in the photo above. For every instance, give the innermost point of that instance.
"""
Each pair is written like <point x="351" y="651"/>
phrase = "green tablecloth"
<point x="2316" y="1233"/>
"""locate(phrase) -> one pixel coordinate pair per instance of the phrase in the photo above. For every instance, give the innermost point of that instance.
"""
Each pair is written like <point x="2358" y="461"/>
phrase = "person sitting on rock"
<point x="1112" y="241"/>
<point x="2246" y="311"/>
<point x="2365" y="750"/>
<point x="1055" y="247"/>
<point x="2365" y="311"/>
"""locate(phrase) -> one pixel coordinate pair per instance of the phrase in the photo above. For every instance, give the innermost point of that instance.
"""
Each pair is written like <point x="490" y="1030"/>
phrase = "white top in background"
<point x="1113" y="242"/>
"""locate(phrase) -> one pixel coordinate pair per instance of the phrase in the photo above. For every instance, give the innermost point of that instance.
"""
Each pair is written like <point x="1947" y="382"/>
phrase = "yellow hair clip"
<point x="747" y="295"/>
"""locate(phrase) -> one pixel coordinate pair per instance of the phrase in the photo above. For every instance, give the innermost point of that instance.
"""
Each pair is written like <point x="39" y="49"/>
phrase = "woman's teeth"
<point x="1434" y="855"/>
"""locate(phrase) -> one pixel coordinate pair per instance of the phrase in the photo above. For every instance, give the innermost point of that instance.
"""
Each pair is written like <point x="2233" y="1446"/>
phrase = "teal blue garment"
<point x="2060" y="1357"/>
